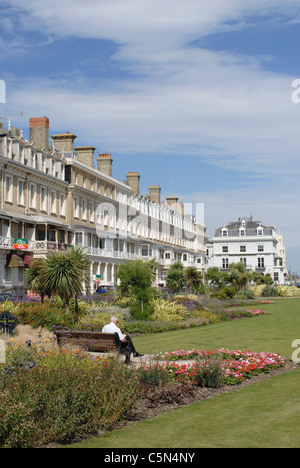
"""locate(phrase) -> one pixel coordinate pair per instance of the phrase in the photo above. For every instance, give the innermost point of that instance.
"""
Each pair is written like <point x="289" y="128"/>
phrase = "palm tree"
<point x="194" y="278"/>
<point x="66" y="273"/>
<point x="35" y="278"/>
<point x="176" y="277"/>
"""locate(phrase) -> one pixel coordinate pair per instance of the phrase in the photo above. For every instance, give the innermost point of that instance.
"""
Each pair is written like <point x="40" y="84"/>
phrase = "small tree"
<point x="66" y="273"/>
<point x="176" y="277"/>
<point x="194" y="278"/>
<point x="136" y="278"/>
<point x="214" y="275"/>
<point x="35" y="276"/>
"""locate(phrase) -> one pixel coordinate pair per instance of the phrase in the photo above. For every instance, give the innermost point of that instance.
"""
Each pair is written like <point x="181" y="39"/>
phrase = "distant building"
<point x="258" y="246"/>
<point x="52" y="197"/>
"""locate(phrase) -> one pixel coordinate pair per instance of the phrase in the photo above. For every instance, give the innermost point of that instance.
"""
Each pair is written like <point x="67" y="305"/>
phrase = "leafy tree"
<point x="35" y="276"/>
<point x="176" y="277"/>
<point x="136" y="278"/>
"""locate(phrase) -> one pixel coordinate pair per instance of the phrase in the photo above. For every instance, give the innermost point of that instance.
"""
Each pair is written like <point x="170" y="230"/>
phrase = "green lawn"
<point x="265" y="414"/>
<point x="270" y="333"/>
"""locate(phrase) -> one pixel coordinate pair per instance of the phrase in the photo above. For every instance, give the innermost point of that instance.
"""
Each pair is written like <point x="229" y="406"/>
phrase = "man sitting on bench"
<point x="126" y="341"/>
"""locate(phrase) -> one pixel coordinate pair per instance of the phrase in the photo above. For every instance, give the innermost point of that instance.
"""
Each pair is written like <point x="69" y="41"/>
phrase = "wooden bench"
<point x="92" y="341"/>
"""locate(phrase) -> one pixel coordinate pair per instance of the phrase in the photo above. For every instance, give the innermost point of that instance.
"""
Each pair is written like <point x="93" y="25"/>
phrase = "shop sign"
<point x="21" y="244"/>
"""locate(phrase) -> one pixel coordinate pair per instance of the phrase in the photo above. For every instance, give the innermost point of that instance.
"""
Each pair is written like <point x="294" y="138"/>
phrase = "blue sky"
<point x="194" y="95"/>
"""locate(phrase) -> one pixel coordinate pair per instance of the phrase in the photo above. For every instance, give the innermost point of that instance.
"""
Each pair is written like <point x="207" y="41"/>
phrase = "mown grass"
<point x="265" y="414"/>
<point x="270" y="333"/>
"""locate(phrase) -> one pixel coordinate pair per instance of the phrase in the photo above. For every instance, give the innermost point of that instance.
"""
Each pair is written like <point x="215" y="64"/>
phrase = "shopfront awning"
<point x="15" y="261"/>
<point x="28" y="259"/>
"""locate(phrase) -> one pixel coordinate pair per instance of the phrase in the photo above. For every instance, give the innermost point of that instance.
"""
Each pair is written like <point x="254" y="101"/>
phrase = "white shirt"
<point x="112" y="328"/>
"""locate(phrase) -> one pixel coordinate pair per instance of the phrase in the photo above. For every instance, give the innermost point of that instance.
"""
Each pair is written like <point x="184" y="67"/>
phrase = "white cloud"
<point x="174" y="97"/>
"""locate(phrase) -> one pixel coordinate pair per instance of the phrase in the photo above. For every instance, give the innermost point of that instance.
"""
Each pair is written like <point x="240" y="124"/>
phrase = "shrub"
<point x="209" y="372"/>
<point x="169" y="311"/>
<point x="246" y="294"/>
<point x="48" y="315"/>
<point x="141" y="310"/>
<point x="287" y="291"/>
<point x="61" y="397"/>
<point x="154" y="375"/>
<point x="269" y="291"/>
<point x="226" y="293"/>
<point x="258" y="289"/>
<point x="95" y="319"/>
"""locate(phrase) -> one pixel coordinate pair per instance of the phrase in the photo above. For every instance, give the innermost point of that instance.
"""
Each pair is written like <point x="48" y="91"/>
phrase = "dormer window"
<point x="260" y="231"/>
<point x="224" y="233"/>
<point x="242" y="232"/>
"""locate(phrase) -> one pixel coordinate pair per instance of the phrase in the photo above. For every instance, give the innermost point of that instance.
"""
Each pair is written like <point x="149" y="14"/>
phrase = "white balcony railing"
<point x="6" y="243"/>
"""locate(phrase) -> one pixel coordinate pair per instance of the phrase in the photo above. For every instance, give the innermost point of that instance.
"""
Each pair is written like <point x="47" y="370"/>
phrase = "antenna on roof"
<point x="21" y="123"/>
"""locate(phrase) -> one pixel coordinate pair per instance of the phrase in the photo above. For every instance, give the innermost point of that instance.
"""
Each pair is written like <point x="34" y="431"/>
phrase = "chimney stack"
<point x="174" y="205"/>
<point x="85" y="154"/>
<point x="104" y="163"/>
<point x="154" y="192"/>
<point x="39" y="131"/>
<point x="133" y="180"/>
<point x="64" y="142"/>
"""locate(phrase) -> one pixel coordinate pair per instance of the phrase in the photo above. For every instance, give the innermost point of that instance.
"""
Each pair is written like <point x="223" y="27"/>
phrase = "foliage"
<point x="60" y="396"/>
<point x="95" y="319"/>
<point x="246" y="294"/>
<point x="221" y="366"/>
<point x="66" y="272"/>
<point x="136" y="278"/>
<point x="194" y="278"/>
<point x="209" y="372"/>
<point x="48" y="315"/>
<point x="269" y="291"/>
<point x="176" y="277"/>
<point x="225" y="293"/>
<point x="288" y="291"/>
<point x="154" y="375"/>
<point x="150" y="327"/>
<point x="169" y="311"/>
<point x="35" y="277"/>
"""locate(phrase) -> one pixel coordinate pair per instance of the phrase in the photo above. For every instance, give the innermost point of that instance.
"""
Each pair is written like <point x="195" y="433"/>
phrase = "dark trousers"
<point x="128" y="344"/>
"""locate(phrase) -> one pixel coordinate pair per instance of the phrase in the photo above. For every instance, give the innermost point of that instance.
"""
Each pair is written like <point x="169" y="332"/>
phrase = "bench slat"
<point x="93" y="341"/>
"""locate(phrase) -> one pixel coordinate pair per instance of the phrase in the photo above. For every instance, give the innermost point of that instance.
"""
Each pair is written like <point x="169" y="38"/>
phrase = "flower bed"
<point x="256" y="312"/>
<point x="236" y="365"/>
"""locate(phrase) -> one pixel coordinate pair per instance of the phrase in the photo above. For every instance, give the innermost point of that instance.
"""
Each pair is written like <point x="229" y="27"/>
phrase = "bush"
<point x="154" y="375"/>
<point x="258" y="290"/>
<point x="226" y="293"/>
<point x="96" y="318"/>
<point x="269" y="291"/>
<point x="169" y="311"/>
<point x="141" y="310"/>
<point x="246" y="294"/>
<point x="48" y="315"/>
<point x="209" y="372"/>
<point x="61" y="397"/>
<point x="288" y="291"/>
